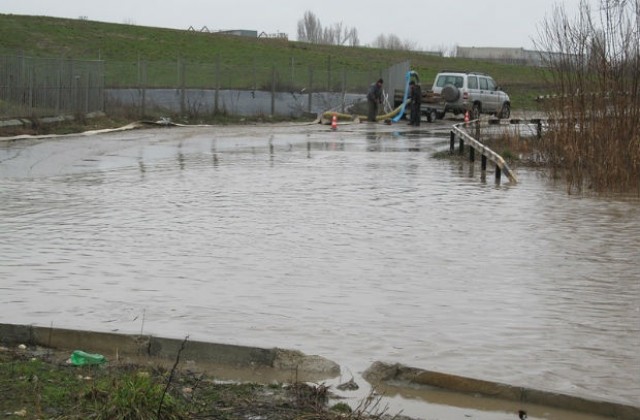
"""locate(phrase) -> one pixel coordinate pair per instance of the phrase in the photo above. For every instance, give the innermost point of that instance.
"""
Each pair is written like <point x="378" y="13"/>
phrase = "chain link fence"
<point x="37" y="87"/>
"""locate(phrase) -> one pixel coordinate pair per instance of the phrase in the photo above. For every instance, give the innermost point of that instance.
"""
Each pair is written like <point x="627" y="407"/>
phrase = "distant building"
<point x="237" y="32"/>
<point x="434" y="53"/>
<point x="502" y="55"/>
<point x="240" y="32"/>
<point x="277" y="35"/>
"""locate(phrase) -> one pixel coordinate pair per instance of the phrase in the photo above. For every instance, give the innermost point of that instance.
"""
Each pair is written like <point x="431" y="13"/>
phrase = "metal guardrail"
<point x="476" y="145"/>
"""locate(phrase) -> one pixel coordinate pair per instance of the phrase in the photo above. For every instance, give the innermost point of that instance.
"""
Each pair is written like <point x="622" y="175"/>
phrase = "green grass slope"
<point x="41" y="36"/>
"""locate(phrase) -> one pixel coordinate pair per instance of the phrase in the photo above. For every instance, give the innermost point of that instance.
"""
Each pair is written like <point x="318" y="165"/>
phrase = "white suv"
<point x="473" y="92"/>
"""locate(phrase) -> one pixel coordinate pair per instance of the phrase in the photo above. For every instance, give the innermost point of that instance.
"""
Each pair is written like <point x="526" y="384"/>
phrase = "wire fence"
<point x="43" y="86"/>
<point x="252" y="76"/>
<point x="33" y="86"/>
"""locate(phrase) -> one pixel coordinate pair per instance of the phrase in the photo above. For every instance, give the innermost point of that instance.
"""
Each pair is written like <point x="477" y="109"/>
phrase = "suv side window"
<point x="484" y="85"/>
<point x="491" y="83"/>
<point x="472" y="82"/>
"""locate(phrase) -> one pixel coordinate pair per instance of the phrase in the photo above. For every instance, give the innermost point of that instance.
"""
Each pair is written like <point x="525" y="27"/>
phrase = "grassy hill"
<point x="40" y="36"/>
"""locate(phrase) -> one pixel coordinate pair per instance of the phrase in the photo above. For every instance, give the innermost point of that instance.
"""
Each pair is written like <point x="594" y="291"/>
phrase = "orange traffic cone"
<point x="466" y="117"/>
<point x="334" y="122"/>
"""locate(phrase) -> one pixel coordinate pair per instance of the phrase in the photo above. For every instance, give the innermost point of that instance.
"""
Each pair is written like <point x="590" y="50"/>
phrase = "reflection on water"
<point x="356" y="247"/>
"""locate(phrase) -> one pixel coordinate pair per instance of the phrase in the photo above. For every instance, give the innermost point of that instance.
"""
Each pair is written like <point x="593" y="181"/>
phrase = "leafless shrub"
<point x="594" y="132"/>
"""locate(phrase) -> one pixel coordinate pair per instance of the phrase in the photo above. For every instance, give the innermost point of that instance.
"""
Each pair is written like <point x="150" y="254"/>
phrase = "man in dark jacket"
<point x="374" y="98"/>
<point x="415" y="94"/>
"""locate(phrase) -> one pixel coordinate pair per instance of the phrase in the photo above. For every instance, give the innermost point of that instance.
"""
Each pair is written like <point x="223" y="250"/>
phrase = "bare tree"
<point x="393" y="42"/>
<point x="310" y="30"/>
<point x="339" y="34"/>
<point x="352" y="37"/>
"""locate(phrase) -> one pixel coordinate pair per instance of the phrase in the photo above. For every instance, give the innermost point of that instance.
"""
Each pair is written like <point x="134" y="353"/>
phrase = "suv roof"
<point x="477" y="73"/>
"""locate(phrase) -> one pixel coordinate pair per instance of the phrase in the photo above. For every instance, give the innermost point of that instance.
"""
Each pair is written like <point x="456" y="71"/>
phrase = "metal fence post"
<point x="59" y="87"/>
<point x="273" y="90"/>
<point x="329" y="74"/>
<point x="310" y="88"/>
<point x="142" y="85"/>
<point x="181" y="75"/>
<point x="216" y="109"/>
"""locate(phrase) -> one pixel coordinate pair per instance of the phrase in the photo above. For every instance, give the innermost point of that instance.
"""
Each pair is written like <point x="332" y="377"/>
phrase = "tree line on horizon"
<point x="311" y="30"/>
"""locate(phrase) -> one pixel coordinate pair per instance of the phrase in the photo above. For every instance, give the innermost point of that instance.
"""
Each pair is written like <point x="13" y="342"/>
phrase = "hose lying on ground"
<point x="342" y="116"/>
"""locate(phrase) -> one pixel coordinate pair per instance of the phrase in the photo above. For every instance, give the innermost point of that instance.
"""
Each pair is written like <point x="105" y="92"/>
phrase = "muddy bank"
<point x="267" y="366"/>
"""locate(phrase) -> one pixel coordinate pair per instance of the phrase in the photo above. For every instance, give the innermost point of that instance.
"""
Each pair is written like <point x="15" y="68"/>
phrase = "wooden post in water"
<point x="472" y="154"/>
<point x="483" y="163"/>
<point x="539" y="129"/>
<point x="452" y="142"/>
<point x="498" y="173"/>
<point x="461" y="149"/>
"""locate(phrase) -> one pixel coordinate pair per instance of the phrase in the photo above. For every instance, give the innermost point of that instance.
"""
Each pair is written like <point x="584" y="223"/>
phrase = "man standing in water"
<point x="374" y="98"/>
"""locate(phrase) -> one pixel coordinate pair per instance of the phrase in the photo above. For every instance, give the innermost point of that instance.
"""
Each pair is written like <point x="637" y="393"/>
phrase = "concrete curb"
<point x="381" y="372"/>
<point x="146" y="346"/>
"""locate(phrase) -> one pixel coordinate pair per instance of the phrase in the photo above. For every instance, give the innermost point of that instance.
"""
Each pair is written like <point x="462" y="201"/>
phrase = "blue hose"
<point x="406" y="94"/>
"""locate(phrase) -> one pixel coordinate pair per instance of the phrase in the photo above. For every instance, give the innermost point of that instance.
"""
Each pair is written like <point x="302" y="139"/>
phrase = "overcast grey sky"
<point x="429" y="24"/>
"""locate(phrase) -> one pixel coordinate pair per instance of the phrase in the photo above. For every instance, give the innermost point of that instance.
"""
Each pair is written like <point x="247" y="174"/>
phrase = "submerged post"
<point x="461" y="150"/>
<point x="452" y="142"/>
<point x="472" y="154"/>
<point x="498" y="173"/>
<point x="539" y="129"/>
<point x="483" y="163"/>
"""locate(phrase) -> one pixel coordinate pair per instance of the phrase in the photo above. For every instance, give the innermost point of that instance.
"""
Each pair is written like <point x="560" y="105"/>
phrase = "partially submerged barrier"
<point x="282" y="363"/>
<point x="291" y="365"/>
<point x="396" y="373"/>
<point x="476" y="145"/>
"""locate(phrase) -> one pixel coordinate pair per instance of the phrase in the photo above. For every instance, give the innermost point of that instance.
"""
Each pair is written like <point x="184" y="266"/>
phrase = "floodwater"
<point x="353" y="244"/>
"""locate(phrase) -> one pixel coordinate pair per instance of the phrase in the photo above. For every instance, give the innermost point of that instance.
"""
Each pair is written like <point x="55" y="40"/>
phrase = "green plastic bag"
<point x="81" y="358"/>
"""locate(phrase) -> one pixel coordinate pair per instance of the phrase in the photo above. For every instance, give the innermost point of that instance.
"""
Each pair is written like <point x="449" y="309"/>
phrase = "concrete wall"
<point x="235" y="102"/>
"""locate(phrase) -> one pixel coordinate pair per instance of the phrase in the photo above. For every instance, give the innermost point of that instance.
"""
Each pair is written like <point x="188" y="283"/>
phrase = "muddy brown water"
<point x="352" y="244"/>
